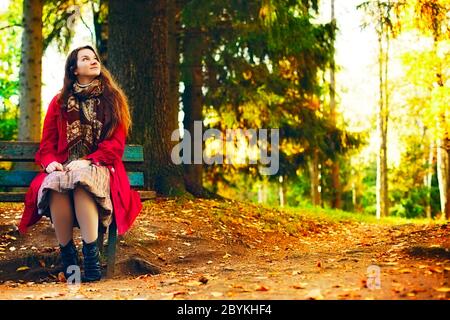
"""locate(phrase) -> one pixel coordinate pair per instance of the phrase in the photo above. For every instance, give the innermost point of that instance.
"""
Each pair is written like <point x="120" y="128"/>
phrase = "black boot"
<point x="92" y="269"/>
<point x="69" y="256"/>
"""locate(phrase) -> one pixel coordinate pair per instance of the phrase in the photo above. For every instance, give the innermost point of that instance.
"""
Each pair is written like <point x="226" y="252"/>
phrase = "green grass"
<point x="336" y="216"/>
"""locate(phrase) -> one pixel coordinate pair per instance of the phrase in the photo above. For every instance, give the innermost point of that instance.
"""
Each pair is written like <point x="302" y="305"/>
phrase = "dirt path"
<point x="229" y="250"/>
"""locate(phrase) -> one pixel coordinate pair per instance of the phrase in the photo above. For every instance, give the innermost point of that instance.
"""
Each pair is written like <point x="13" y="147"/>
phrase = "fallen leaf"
<point x="314" y="294"/>
<point x="435" y="269"/>
<point x="216" y="294"/>
<point x="418" y="290"/>
<point x="176" y="293"/>
<point x="62" y="277"/>
<point x="364" y="283"/>
<point x="443" y="289"/>
<point x="405" y="270"/>
<point x="203" y="279"/>
<point x="301" y="285"/>
<point x="23" y="268"/>
<point x="262" y="288"/>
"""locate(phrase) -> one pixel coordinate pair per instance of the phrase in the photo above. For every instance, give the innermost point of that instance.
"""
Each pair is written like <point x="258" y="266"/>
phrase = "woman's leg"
<point x="87" y="214"/>
<point x="62" y="216"/>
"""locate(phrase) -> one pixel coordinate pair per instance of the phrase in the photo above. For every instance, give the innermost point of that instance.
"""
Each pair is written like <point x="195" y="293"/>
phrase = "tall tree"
<point x="382" y="15"/>
<point x="31" y="71"/>
<point x="100" y="18"/>
<point x="138" y="58"/>
<point x="432" y="17"/>
<point x="253" y="80"/>
<point x="192" y="77"/>
<point x="336" y="199"/>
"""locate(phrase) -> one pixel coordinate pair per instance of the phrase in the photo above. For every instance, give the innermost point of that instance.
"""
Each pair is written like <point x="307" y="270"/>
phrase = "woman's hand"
<point x="78" y="164"/>
<point x="55" y="165"/>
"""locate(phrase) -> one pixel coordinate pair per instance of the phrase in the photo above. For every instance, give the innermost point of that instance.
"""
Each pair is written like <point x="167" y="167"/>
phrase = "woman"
<point x="84" y="181"/>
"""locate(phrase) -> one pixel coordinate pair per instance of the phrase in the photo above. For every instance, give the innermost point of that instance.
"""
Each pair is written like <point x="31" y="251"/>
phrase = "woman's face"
<point x="88" y="66"/>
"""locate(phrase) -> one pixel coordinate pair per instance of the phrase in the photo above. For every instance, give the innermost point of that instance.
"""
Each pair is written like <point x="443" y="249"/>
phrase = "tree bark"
<point x="101" y="29"/>
<point x="315" y="178"/>
<point x="138" y="58"/>
<point x="336" y="201"/>
<point x="282" y="191"/>
<point x="442" y="175"/>
<point x="31" y="72"/>
<point x="192" y="77"/>
<point x="174" y="21"/>
<point x="262" y="191"/>
<point x="385" y="119"/>
<point x="447" y="202"/>
<point x="382" y="187"/>
<point x="429" y="177"/>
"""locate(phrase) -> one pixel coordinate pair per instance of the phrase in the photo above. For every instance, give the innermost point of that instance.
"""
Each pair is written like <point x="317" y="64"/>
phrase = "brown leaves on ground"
<point x="209" y="249"/>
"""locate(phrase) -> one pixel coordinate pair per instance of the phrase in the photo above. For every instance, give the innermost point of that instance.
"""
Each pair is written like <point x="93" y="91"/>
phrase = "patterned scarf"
<point x="85" y="119"/>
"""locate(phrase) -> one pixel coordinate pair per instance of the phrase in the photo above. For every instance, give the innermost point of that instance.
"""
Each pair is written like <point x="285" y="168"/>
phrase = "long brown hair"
<point x="113" y="96"/>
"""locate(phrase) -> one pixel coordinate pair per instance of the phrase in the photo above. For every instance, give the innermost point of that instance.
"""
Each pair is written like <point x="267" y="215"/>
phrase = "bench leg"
<point x="100" y="239"/>
<point x="112" y="242"/>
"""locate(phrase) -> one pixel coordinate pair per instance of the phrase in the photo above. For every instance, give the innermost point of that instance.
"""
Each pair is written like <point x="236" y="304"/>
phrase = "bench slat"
<point x="25" y="152"/>
<point x="20" y="196"/>
<point x="23" y="178"/>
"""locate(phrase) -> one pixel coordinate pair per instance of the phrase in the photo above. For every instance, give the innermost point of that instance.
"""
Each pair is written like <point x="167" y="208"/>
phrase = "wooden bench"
<point x="25" y="152"/>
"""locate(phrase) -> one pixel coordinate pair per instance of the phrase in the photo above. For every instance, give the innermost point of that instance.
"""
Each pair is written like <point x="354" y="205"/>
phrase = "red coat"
<point x="53" y="147"/>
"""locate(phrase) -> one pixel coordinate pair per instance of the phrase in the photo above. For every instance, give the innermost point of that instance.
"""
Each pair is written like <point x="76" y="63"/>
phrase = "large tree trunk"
<point x="442" y="175"/>
<point x="315" y="178"/>
<point x="262" y="191"/>
<point x="382" y="187"/>
<point x="336" y="200"/>
<point x="429" y="177"/>
<point x="174" y="21"/>
<point x="447" y="202"/>
<point x="31" y="72"/>
<point x="192" y="96"/>
<point x="138" y="58"/>
<point x="101" y="29"/>
<point x="282" y="191"/>
<point x="385" y="119"/>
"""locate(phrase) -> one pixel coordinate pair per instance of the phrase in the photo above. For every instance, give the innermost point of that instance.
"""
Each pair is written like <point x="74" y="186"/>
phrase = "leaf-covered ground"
<point x="209" y="249"/>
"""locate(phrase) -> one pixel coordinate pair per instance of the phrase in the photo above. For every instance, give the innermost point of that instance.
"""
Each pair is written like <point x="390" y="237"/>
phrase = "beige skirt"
<point x="94" y="179"/>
